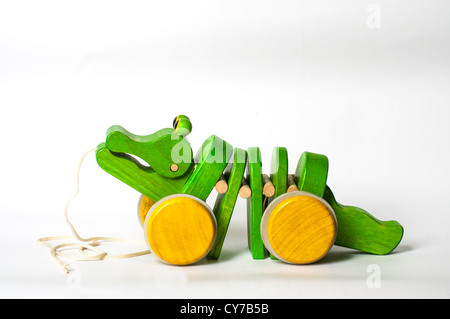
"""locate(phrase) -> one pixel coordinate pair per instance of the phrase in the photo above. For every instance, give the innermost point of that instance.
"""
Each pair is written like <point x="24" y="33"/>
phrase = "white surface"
<point x="307" y="75"/>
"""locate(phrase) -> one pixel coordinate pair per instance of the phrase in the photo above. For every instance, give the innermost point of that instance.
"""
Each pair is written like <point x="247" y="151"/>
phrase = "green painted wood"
<point x="311" y="173"/>
<point x="160" y="150"/>
<point x="359" y="230"/>
<point x="279" y="170"/>
<point x="182" y="125"/>
<point x="278" y="174"/>
<point x="224" y="205"/>
<point x="198" y="180"/>
<point x="142" y="178"/>
<point x="197" y="176"/>
<point x="211" y="160"/>
<point x="255" y="204"/>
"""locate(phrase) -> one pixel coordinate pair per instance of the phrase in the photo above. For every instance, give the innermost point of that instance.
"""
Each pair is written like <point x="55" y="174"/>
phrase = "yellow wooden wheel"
<point x="144" y="206"/>
<point x="180" y="229"/>
<point x="298" y="227"/>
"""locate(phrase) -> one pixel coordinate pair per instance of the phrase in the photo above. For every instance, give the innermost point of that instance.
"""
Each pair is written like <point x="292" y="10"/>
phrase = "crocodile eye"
<point x="174" y="167"/>
<point x="182" y="125"/>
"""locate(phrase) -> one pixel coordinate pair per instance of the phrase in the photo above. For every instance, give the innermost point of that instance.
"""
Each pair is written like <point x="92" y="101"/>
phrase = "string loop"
<point x="87" y="247"/>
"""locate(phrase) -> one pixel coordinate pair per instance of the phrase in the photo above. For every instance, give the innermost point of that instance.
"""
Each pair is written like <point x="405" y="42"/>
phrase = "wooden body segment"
<point x="311" y="173"/>
<point x="279" y="170"/>
<point x="225" y="202"/>
<point x="360" y="230"/>
<point x="211" y="160"/>
<point x="279" y="174"/>
<point x="357" y="229"/>
<point x="255" y="204"/>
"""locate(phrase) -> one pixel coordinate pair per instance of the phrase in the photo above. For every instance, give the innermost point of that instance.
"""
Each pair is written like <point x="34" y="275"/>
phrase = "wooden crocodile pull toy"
<point x="291" y="217"/>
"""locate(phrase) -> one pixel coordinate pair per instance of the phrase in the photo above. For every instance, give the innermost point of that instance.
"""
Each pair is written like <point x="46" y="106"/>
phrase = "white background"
<point x="364" y="82"/>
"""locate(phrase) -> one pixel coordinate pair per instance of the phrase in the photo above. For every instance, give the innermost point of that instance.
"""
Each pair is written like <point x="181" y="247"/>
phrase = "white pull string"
<point x="87" y="247"/>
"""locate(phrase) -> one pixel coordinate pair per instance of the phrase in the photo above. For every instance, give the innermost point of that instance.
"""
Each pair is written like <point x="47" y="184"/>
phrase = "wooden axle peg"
<point x="292" y="187"/>
<point x="221" y="185"/>
<point x="245" y="191"/>
<point x="268" y="188"/>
